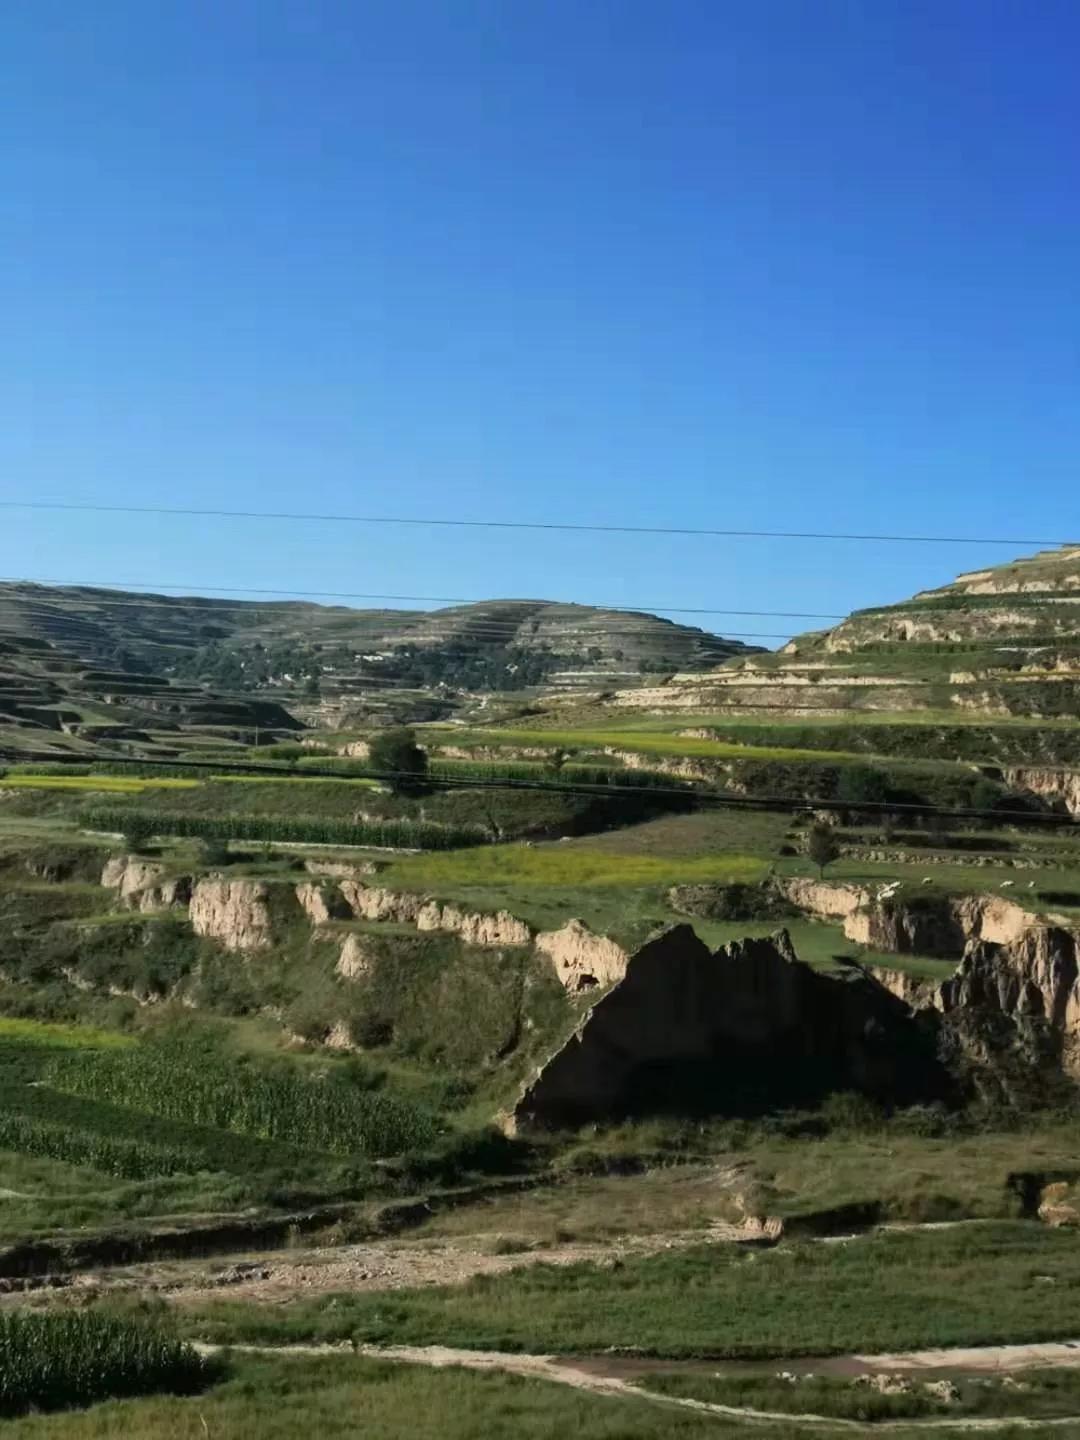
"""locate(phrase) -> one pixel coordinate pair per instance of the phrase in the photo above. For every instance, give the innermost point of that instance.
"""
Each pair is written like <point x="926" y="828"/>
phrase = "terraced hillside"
<point x="998" y="642"/>
<point x="53" y="697"/>
<point x="79" y="658"/>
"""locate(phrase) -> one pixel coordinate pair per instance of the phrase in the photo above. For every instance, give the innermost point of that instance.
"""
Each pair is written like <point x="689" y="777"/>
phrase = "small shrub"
<point x="214" y="853"/>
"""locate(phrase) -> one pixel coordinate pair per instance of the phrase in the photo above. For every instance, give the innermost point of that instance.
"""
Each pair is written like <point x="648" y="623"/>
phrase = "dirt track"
<point x="596" y="1379"/>
<point x="279" y="1276"/>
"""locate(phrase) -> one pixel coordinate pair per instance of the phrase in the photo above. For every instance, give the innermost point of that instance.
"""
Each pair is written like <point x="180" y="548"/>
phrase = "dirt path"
<point x="281" y="1276"/>
<point x="1059" y="1354"/>
<point x="593" y="1379"/>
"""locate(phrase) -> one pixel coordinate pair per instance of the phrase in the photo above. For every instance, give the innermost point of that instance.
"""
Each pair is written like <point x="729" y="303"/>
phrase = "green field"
<point x="50" y="1362"/>
<point x="882" y="1292"/>
<point x="342" y="1397"/>
<point x="98" y="1127"/>
<point x="96" y="784"/>
<point x="639" y="739"/>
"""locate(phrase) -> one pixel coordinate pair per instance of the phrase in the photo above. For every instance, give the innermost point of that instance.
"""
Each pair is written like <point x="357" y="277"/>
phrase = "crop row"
<point x="270" y="1104"/>
<point x="534" y="772"/>
<point x="112" y="1155"/>
<point x="124" y="1140"/>
<point x="381" y="834"/>
<point x="52" y="1360"/>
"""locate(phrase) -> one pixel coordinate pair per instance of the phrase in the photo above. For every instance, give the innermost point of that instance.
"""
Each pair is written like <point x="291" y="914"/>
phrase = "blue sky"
<point x="795" y="264"/>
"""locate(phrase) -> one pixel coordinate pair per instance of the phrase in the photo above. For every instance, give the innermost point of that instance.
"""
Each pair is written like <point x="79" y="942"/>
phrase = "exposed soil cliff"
<point x="144" y="885"/>
<point x="235" y="913"/>
<point x="913" y="990"/>
<point x="824" y="899"/>
<point x="358" y="958"/>
<point x="1019" y="1002"/>
<point x="372" y="902"/>
<point x="937" y="925"/>
<point x="1059" y="788"/>
<point x="913" y="924"/>
<point x="322" y="903"/>
<point x="730" y="1032"/>
<point x="581" y="959"/>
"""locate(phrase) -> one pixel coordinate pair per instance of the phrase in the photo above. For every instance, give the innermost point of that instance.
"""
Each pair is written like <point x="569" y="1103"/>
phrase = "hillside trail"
<point x="598" y="1376"/>
<point x="275" y="1277"/>
<point x="280" y="1276"/>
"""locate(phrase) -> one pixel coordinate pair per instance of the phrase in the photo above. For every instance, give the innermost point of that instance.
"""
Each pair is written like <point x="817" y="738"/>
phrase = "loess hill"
<point x="96" y="664"/>
<point x="998" y="642"/>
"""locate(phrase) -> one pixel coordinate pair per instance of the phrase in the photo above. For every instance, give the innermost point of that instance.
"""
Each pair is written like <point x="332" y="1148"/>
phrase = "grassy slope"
<point x="1045" y="1393"/>
<point x="886" y="1291"/>
<point x="340" y="1398"/>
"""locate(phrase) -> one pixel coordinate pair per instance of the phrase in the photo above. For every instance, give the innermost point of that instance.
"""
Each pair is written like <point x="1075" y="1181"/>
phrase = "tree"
<point x="862" y="785"/>
<point x="397" y="758"/>
<point x="822" y="847"/>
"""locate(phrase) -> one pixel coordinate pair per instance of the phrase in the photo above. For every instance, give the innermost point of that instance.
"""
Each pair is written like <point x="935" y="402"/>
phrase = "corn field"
<point x="318" y="1113"/>
<point x="49" y="1361"/>
<point x="379" y="834"/>
<point x="535" y="773"/>
<point x="113" y="1155"/>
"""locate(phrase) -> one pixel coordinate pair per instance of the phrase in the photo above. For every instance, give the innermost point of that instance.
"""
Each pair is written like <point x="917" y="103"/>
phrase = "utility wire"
<point x="210" y="592"/>
<point x="520" y="524"/>
<point x="746" y="802"/>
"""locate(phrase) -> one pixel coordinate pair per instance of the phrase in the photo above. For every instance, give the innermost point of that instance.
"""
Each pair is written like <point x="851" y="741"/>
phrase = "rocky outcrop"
<point x="825" y="900"/>
<point x="992" y="918"/>
<point x="729" y="1032"/>
<point x="937" y="925"/>
<point x="682" y="768"/>
<point x="581" y="959"/>
<point x="474" y="928"/>
<point x="1028" y="991"/>
<point x="235" y="913"/>
<point x="912" y="924"/>
<point x="339" y="1037"/>
<point x="372" y="902"/>
<point x="145" y="884"/>
<point x="341" y="869"/>
<point x="322" y="903"/>
<point x="1059" y="1204"/>
<point x="358" y="958"/>
<point x="923" y="927"/>
<point x="1059" y="788"/>
<point x="914" y="990"/>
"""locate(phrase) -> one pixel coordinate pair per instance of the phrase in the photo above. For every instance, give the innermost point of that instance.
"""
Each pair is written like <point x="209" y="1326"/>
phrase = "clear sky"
<point x="807" y="264"/>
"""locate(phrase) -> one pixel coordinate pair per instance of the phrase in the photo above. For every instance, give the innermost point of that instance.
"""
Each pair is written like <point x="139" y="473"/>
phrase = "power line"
<point x="209" y="592"/>
<point x="521" y="524"/>
<point x="420" y="620"/>
<point x="479" y="629"/>
<point x="722" y="799"/>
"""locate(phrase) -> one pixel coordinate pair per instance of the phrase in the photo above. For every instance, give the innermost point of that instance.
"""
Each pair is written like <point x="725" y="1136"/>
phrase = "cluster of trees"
<point x="485" y="667"/>
<point x="251" y="667"/>
<point x="459" y="665"/>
